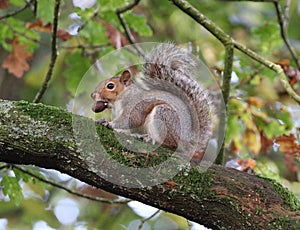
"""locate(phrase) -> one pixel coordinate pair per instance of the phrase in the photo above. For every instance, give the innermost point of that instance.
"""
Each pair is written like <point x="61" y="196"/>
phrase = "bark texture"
<point x="219" y="198"/>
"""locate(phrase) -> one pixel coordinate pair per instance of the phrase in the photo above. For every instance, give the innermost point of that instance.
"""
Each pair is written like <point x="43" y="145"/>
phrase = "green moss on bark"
<point x="288" y="197"/>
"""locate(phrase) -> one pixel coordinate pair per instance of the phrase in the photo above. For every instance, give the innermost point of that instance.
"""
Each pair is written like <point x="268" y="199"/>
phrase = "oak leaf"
<point x="292" y="73"/>
<point x="17" y="61"/>
<point x="40" y="26"/>
<point x="246" y="165"/>
<point x="4" y="4"/>
<point x="235" y="147"/>
<point x="289" y="146"/>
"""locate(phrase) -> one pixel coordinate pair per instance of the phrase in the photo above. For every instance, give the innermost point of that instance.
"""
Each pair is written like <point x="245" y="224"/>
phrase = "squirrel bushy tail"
<point x="172" y="69"/>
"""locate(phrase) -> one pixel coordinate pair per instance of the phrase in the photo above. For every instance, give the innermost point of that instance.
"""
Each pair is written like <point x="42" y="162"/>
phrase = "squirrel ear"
<point x="126" y="77"/>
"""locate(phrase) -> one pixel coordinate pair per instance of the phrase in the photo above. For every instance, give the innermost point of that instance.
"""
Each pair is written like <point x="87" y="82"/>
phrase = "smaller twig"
<point x="35" y="5"/>
<point x="225" y="38"/>
<point x="94" y="15"/>
<point x="27" y="4"/>
<point x="287" y="10"/>
<point x="271" y="66"/>
<point x="4" y="166"/>
<point x="94" y="198"/>
<point x="128" y="34"/>
<point x="143" y="221"/>
<point x="119" y="13"/>
<point x="48" y="77"/>
<point x="282" y="23"/>
<point x="128" y="7"/>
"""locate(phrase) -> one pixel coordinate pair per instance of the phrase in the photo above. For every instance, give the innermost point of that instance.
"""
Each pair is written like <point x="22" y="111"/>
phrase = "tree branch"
<point x="249" y="0"/>
<point x="282" y="23"/>
<point x="119" y="13"/>
<point x="229" y="52"/>
<point x="54" y="184"/>
<point x="27" y="4"/>
<point x="128" y="34"/>
<point x="48" y="77"/>
<point x="225" y="39"/>
<point x="24" y="35"/>
<point x="43" y="136"/>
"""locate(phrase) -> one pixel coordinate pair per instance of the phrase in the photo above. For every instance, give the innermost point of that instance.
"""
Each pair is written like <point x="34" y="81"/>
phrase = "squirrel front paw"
<point x="104" y="122"/>
<point x="143" y="137"/>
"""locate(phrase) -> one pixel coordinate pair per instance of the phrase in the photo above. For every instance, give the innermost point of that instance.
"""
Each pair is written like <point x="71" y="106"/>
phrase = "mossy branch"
<point x="229" y="51"/>
<point x="225" y="39"/>
<point x="43" y="136"/>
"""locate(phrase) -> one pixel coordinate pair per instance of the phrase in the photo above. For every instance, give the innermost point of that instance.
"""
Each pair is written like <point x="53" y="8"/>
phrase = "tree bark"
<point x="219" y="198"/>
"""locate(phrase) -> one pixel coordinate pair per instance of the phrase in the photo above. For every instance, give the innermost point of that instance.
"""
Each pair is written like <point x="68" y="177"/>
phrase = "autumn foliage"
<point x="17" y="61"/>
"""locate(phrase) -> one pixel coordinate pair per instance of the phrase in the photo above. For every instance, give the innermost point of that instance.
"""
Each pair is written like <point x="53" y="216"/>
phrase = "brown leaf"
<point x="289" y="162"/>
<point x="255" y="101"/>
<point x="4" y="4"/>
<point x="39" y="25"/>
<point x="283" y="63"/>
<point x="292" y="73"/>
<point x="63" y="35"/>
<point x="288" y="145"/>
<point x="266" y="143"/>
<point x="234" y="148"/>
<point x="246" y="165"/>
<point x="116" y="38"/>
<point x="16" y="62"/>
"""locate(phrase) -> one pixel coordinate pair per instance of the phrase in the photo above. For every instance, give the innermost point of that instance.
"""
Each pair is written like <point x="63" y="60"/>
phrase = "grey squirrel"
<point x="169" y="106"/>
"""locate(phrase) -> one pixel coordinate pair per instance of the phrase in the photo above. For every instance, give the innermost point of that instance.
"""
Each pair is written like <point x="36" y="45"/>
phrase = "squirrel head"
<point x="108" y="91"/>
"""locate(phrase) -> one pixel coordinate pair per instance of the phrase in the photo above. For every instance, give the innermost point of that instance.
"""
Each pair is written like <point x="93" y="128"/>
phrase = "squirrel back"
<point x="172" y="69"/>
<point x="170" y="106"/>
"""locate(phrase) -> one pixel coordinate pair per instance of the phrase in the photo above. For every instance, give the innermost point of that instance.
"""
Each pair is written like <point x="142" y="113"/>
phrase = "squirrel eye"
<point x="110" y="85"/>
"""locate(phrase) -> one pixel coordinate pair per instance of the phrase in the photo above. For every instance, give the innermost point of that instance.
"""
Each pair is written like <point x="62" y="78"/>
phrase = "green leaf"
<point x="138" y="23"/>
<point x="234" y="128"/>
<point x="45" y="10"/>
<point x="30" y="35"/>
<point x="84" y="14"/>
<point x="105" y="5"/>
<point x="279" y="121"/>
<point x="6" y="34"/>
<point x="269" y="37"/>
<point x="110" y="17"/>
<point x="256" y="80"/>
<point x="95" y="33"/>
<point x="20" y="175"/>
<point x="78" y="65"/>
<point x="273" y="129"/>
<point x="17" y="2"/>
<point x="12" y="188"/>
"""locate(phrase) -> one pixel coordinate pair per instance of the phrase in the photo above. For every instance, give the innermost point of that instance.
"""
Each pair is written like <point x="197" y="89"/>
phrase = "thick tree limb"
<point x="219" y="198"/>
